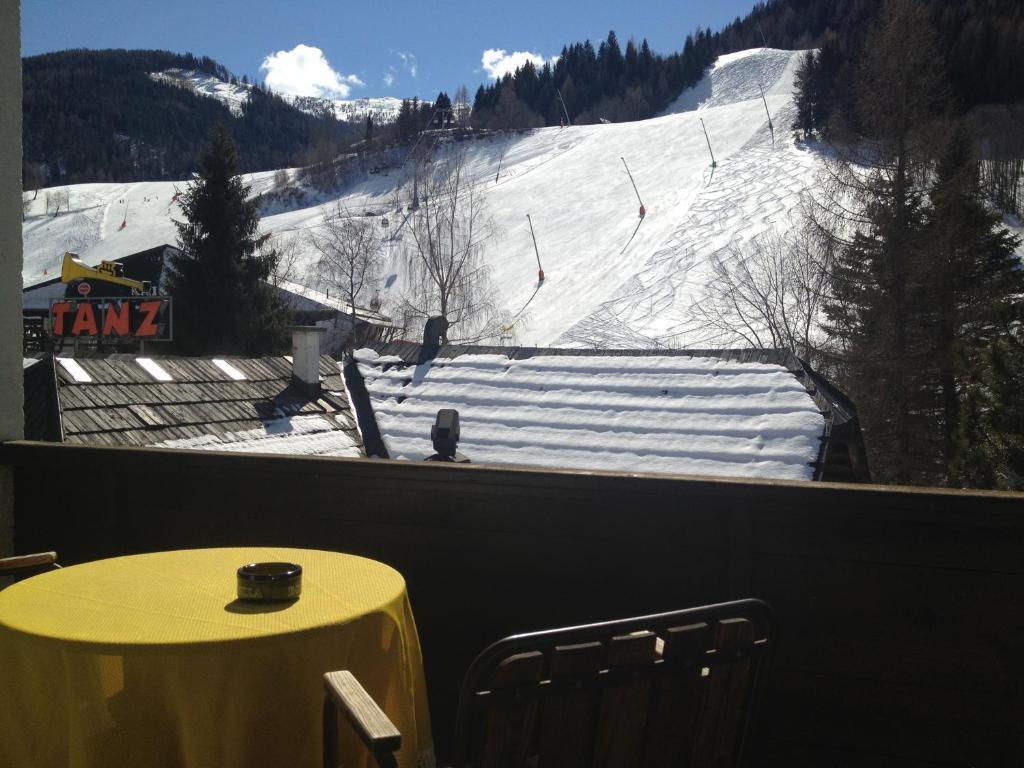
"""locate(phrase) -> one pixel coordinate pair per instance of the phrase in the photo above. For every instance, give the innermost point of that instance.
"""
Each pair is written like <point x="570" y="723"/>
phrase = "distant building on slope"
<point x="147" y="266"/>
<point x="152" y="266"/>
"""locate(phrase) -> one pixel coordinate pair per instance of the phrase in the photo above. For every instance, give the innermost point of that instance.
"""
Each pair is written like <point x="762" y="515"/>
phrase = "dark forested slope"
<point x="983" y="42"/>
<point x="98" y="116"/>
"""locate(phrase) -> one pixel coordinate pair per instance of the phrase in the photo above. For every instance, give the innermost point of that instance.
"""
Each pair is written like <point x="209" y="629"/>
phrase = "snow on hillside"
<point x="603" y="288"/>
<point x="734" y="77"/>
<point x="234" y="96"/>
<point x="382" y="110"/>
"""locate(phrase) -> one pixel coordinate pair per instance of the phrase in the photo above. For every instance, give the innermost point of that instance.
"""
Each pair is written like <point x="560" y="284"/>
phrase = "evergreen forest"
<point x="96" y="116"/>
<point x="982" y="41"/>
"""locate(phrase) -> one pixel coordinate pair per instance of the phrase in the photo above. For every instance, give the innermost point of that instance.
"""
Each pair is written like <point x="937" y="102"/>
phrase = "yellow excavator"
<point x="107" y="272"/>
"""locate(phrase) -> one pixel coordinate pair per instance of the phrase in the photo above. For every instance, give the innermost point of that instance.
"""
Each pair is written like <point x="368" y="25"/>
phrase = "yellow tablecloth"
<point x="149" y="660"/>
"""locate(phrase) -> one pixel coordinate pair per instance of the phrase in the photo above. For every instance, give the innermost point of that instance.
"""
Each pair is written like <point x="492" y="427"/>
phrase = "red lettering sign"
<point x="85" y="321"/>
<point x="115" y="319"/>
<point x="147" y="327"/>
<point x="59" y="310"/>
<point x="145" y="317"/>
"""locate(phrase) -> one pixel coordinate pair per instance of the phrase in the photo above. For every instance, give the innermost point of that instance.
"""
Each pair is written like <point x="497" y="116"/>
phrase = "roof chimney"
<point x="306" y="358"/>
<point x="434" y="333"/>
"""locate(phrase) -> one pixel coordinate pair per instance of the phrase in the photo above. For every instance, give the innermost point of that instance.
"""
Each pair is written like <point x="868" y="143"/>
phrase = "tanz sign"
<point x="140" y="317"/>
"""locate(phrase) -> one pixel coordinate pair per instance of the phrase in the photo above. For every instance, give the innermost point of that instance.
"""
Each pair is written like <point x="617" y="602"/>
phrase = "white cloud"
<point x="408" y="61"/>
<point x="305" y="71"/>
<point x="497" y="62"/>
<point x="389" y="78"/>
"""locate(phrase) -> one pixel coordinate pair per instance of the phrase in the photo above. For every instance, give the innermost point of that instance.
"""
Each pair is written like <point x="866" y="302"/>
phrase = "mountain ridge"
<point x="99" y="116"/>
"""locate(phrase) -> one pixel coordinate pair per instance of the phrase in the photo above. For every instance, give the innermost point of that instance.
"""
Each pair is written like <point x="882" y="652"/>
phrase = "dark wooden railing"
<point x="900" y="611"/>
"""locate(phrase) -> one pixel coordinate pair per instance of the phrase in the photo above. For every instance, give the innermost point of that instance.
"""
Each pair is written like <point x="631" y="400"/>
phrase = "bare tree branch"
<point x="444" y="261"/>
<point x="349" y="260"/>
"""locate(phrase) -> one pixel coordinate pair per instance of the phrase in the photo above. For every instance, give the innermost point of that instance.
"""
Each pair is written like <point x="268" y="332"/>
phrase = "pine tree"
<point x="975" y="279"/>
<point x="222" y="300"/>
<point x="990" y="441"/>
<point x="462" y="108"/>
<point x="405" y="123"/>
<point x="442" y="112"/>
<point x="805" y="95"/>
<point x="881" y="277"/>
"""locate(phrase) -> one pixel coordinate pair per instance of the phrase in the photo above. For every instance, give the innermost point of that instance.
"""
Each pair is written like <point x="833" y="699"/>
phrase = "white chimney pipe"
<point x="306" y="357"/>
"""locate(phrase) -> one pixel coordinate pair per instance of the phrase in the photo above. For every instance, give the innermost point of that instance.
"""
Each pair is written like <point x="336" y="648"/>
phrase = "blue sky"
<point x="367" y="48"/>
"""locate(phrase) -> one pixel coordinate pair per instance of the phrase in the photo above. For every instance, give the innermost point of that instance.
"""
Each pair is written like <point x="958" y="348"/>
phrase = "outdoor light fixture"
<point x="445" y="437"/>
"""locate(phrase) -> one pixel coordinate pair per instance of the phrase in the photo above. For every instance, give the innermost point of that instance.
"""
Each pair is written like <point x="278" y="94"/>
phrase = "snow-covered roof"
<point x="636" y="412"/>
<point x="315" y="435"/>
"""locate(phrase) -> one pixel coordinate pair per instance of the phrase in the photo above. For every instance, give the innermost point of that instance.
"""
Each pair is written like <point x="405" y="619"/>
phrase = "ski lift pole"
<point x="562" y="101"/>
<point x="643" y="210"/>
<point x="708" y="140"/>
<point x="765" y="101"/>
<point x="540" y="269"/>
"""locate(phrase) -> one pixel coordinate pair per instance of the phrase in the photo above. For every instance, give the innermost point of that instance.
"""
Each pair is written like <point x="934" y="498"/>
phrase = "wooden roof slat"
<point x="78" y="421"/>
<point x="118" y="418"/>
<point x="146" y="415"/>
<point x="279" y="367"/>
<point x="250" y="370"/>
<point x="125" y="405"/>
<point x="75" y="397"/>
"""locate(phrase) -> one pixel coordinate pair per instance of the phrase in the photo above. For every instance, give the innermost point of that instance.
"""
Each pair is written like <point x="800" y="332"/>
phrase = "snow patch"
<point x="316" y="435"/>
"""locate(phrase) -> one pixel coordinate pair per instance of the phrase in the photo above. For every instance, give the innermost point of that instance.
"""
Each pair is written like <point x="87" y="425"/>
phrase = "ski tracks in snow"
<point x="755" y="188"/>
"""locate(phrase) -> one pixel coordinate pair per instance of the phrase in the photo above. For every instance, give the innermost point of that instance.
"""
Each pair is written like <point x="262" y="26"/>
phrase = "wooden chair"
<point x="23" y="566"/>
<point x="672" y="689"/>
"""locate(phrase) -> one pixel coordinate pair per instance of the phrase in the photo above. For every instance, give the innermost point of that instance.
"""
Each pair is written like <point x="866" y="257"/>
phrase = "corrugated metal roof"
<point x="124" y="405"/>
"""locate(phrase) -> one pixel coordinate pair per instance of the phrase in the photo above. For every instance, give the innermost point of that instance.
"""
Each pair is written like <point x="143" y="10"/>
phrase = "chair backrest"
<point x="22" y="566"/>
<point x="672" y="689"/>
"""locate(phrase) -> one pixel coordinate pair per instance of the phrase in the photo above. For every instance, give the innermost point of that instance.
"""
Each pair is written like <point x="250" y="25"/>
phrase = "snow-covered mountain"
<point x="382" y="110"/>
<point x="612" y="280"/>
<point x="233" y="96"/>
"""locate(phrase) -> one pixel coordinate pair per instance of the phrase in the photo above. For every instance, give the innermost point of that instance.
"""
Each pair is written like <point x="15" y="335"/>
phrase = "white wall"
<point x="11" y="399"/>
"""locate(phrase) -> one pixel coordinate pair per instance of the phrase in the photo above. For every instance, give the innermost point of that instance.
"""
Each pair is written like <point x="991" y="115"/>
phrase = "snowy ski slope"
<point x="602" y="288"/>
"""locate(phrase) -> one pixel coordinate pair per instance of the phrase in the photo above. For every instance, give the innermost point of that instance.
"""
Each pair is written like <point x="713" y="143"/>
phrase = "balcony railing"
<point x="900" y="611"/>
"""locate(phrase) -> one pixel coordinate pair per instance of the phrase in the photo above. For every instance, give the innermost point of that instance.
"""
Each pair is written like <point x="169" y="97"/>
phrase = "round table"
<point x="150" y="660"/>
